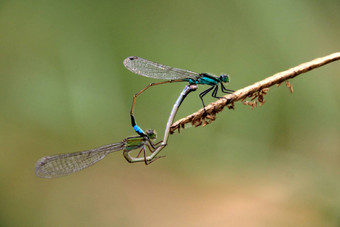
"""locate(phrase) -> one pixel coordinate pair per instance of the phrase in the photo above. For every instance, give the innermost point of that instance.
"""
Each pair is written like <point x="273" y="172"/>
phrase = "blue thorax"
<point x="204" y="78"/>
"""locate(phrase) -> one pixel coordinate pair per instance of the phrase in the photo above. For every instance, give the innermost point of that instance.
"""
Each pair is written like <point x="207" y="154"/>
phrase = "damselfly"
<point x="155" y="70"/>
<point x="64" y="164"/>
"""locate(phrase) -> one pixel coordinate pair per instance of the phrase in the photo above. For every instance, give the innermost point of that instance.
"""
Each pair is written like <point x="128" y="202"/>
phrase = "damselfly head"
<point x="151" y="133"/>
<point x="225" y="78"/>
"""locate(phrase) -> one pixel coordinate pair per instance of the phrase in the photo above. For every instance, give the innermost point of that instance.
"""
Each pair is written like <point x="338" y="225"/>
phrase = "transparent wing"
<point x="155" y="70"/>
<point x="64" y="164"/>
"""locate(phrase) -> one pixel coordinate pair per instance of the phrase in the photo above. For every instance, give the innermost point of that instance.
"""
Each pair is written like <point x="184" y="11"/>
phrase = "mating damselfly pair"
<point x="64" y="164"/>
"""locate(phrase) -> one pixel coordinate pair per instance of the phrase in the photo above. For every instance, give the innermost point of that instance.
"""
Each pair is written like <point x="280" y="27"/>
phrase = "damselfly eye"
<point x="224" y="78"/>
<point x="151" y="134"/>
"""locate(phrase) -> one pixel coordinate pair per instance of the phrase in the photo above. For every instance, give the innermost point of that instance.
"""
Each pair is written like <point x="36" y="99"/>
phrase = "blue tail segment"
<point x="136" y="127"/>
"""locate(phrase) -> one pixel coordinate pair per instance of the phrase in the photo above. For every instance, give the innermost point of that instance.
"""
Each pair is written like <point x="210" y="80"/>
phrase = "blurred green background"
<point x="63" y="88"/>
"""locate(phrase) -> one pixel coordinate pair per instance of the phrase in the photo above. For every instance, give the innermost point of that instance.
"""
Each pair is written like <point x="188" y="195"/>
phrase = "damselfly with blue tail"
<point x="155" y="70"/>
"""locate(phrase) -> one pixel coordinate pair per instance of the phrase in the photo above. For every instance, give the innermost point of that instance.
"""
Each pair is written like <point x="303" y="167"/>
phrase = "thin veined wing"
<point x="155" y="70"/>
<point x="64" y="164"/>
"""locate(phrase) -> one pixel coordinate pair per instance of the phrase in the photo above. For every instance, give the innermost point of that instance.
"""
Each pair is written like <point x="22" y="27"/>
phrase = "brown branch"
<point x="254" y="91"/>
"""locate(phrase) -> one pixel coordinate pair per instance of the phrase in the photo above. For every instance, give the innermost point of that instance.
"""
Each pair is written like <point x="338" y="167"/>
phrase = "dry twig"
<point x="254" y="91"/>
